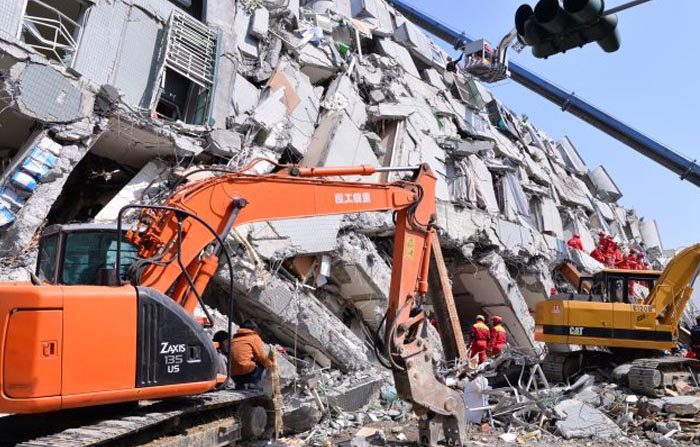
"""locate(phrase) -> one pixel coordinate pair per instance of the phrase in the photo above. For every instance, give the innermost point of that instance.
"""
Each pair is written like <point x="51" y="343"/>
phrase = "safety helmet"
<point x="480" y="318"/>
<point x="496" y="319"/>
<point x="633" y="250"/>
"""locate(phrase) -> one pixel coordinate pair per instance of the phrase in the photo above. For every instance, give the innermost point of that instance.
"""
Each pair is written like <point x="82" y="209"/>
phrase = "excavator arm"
<point x="675" y="286"/>
<point x="232" y="199"/>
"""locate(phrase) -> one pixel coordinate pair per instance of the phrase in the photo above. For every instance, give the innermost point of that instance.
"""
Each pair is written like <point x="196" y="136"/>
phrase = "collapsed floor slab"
<point x="296" y="316"/>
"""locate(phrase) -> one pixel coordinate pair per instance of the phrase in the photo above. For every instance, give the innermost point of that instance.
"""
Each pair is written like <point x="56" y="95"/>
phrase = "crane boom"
<point x="686" y="168"/>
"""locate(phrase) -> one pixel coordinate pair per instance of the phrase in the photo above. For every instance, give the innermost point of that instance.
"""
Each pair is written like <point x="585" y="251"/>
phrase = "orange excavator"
<point x="108" y="316"/>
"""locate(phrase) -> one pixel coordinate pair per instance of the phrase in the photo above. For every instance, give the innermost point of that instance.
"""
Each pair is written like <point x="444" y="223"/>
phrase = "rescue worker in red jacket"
<point x="641" y="262"/>
<point x="599" y="255"/>
<point x="479" y="338"/>
<point x="499" y="338"/>
<point x="575" y="242"/>
<point x="623" y="263"/>
<point x="616" y="252"/>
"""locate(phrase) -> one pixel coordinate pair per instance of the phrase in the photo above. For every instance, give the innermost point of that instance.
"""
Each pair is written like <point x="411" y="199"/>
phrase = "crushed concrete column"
<point x="295" y="316"/>
<point x="364" y="277"/>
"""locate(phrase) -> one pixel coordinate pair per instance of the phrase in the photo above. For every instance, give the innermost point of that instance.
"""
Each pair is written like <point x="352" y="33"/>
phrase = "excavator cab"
<point x="617" y="286"/>
<point x="83" y="254"/>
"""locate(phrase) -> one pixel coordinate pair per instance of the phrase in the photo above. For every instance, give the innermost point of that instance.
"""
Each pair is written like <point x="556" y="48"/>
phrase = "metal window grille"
<point x="53" y="33"/>
<point x="191" y="49"/>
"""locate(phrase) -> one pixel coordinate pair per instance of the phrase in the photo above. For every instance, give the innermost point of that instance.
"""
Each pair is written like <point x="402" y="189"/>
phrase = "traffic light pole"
<point x="686" y="168"/>
<point x="623" y="7"/>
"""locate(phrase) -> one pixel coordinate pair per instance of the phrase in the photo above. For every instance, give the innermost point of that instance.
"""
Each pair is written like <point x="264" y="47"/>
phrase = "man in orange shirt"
<point x="479" y="338"/>
<point x="248" y="355"/>
<point x="499" y="337"/>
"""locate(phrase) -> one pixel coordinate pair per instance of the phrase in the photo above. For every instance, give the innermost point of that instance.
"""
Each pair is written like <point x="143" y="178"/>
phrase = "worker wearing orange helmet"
<point x="479" y="338"/>
<point x="499" y="338"/>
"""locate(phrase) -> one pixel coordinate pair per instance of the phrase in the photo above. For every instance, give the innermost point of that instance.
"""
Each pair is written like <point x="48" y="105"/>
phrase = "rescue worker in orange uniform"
<point x="248" y="355"/>
<point x="479" y="338"/>
<point x="575" y="242"/>
<point x="499" y="338"/>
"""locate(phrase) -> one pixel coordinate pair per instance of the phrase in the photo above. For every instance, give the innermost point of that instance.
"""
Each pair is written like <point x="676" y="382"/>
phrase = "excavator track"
<point x="561" y="367"/>
<point x="556" y="365"/>
<point x="651" y="376"/>
<point x="216" y="418"/>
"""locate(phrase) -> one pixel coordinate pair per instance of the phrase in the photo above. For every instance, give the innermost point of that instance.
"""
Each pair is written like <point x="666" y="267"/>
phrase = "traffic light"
<point x="550" y="28"/>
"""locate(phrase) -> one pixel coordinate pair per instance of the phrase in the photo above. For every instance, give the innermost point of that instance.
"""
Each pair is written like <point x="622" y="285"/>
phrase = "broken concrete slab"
<point x="579" y="420"/>
<point x="363" y="277"/>
<point x="650" y="235"/>
<point x="246" y="42"/>
<point x="375" y="14"/>
<point x="420" y="45"/>
<point x="282" y="239"/>
<point x="295" y="316"/>
<point x="338" y="142"/>
<point x="44" y="93"/>
<point x="317" y="62"/>
<point x="433" y="77"/>
<point x="260" y="23"/>
<point x="551" y="219"/>
<point x="342" y="95"/>
<point x="400" y="55"/>
<point x="603" y="185"/>
<point x="302" y="104"/>
<point x="149" y="178"/>
<point x="484" y="184"/>
<point x="355" y="393"/>
<point x="682" y="405"/>
<point x="224" y="143"/>
<point x="573" y="160"/>
<point x="487" y="288"/>
<point x="245" y="95"/>
<point x="585" y="262"/>
<point x="301" y="415"/>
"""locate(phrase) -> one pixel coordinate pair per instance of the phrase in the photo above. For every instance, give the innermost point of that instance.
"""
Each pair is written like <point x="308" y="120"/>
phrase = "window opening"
<point x="186" y="80"/>
<point x="53" y="27"/>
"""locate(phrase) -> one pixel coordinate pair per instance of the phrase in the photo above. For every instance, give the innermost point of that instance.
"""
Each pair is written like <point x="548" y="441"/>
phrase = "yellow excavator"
<point x="605" y="312"/>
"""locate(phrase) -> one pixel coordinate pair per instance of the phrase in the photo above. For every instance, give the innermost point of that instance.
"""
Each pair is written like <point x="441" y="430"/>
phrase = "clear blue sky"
<point x="651" y="83"/>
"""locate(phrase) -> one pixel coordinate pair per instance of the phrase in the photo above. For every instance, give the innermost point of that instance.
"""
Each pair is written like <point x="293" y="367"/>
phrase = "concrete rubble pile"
<point x="132" y="94"/>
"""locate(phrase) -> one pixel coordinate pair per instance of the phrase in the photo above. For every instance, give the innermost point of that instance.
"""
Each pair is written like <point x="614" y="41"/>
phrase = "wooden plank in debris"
<point x="445" y="308"/>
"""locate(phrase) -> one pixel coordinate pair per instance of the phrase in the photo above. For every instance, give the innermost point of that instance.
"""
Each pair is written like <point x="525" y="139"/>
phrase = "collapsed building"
<point x="106" y="103"/>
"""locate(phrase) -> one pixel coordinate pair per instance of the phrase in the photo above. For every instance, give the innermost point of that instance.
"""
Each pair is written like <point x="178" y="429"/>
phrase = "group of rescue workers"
<point x="608" y="252"/>
<point x="487" y="341"/>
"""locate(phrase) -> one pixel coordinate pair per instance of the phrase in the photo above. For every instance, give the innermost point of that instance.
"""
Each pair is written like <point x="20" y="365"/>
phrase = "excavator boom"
<point x="141" y="343"/>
